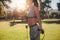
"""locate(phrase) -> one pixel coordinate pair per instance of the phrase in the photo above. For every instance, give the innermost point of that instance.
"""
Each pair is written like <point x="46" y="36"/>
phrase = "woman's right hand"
<point x="42" y="31"/>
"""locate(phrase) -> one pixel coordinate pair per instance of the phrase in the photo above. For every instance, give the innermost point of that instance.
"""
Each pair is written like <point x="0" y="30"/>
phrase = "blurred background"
<point x="13" y="9"/>
<point x="13" y="12"/>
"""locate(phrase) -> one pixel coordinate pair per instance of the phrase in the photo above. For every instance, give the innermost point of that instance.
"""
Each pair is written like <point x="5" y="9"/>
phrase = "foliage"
<point x="2" y="12"/>
<point x="45" y="4"/>
<point x="4" y="2"/>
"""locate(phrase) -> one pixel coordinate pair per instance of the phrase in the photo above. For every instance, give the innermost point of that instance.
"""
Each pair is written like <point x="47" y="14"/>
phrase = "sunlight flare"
<point x="20" y="4"/>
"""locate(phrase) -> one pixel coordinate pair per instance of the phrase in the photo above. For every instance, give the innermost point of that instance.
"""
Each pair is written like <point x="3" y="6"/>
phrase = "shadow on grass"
<point x="50" y="22"/>
<point x="25" y="22"/>
<point x="14" y="23"/>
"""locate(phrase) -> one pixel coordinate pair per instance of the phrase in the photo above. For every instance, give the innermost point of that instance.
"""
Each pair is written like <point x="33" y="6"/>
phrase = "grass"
<point x="19" y="32"/>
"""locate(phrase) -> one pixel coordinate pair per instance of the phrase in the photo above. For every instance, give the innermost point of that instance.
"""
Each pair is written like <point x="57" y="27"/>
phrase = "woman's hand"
<point x="42" y="31"/>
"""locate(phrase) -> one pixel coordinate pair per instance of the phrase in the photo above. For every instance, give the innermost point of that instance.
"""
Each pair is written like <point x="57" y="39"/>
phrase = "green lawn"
<point x="18" y="31"/>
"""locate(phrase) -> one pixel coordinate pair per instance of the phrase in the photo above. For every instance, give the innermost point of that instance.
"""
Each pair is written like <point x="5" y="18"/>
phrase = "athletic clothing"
<point x="34" y="32"/>
<point x="31" y="14"/>
<point x="34" y="29"/>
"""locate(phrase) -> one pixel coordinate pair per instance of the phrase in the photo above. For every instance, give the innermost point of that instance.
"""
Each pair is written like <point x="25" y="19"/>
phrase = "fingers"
<point x="26" y="26"/>
<point x="41" y="30"/>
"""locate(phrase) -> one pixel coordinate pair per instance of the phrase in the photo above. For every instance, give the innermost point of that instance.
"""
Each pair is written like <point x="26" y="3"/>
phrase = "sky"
<point x="53" y="4"/>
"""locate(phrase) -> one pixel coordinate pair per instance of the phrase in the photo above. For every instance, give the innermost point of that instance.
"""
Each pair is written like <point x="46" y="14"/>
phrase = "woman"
<point x="33" y="18"/>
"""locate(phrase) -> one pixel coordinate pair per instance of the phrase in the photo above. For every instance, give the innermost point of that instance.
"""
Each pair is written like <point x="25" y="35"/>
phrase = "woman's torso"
<point x="31" y="17"/>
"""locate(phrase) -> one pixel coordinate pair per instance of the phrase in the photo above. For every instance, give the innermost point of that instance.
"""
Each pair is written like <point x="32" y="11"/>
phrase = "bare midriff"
<point x="31" y="21"/>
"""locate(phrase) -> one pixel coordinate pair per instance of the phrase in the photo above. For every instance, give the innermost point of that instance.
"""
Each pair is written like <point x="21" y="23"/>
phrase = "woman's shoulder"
<point x="36" y="8"/>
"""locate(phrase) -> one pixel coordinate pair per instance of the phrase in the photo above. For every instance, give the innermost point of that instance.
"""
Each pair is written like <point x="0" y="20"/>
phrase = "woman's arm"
<point x="39" y="19"/>
<point x="38" y="16"/>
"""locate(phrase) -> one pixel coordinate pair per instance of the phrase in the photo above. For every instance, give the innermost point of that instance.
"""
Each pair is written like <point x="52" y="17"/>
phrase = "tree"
<point x="58" y="5"/>
<point x="5" y="3"/>
<point x="45" y="4"/>
<point x="3" y="14"/>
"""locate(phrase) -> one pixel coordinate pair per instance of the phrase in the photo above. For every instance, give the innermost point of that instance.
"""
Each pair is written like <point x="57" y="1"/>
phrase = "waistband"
<point x="33" y="25"/>
<point x="31" y="17"/>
